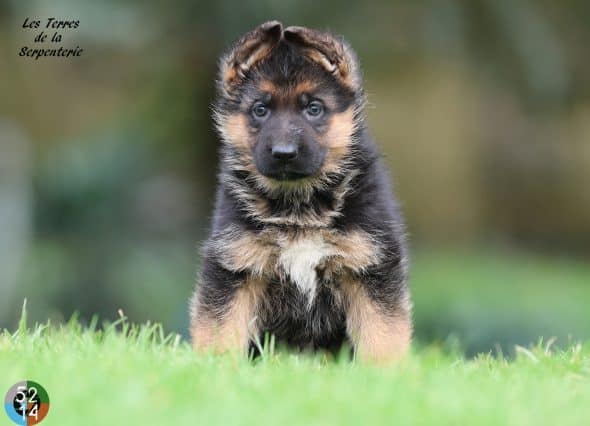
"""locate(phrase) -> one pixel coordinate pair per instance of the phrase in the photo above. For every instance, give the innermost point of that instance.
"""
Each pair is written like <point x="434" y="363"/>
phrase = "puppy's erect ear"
<point x="248" y="51"/>
<point x="332" y="53"/>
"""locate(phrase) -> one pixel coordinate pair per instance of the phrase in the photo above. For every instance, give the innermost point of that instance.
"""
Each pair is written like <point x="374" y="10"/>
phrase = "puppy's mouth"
<point x="291" y="171"/>
<point x="287" y="175"/>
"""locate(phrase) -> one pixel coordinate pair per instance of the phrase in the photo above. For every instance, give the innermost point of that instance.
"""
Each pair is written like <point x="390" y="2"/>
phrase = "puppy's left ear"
<point x="247" y="52"/>
<point x="332" y="53"/>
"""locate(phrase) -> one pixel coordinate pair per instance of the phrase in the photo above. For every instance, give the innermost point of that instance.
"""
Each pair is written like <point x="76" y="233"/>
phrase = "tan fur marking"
<point x="257" y="55"/>
<point x="355" y="250"/>
<point x="268" y="86"/>
<point x="377" y="337"/>
<point x="237" y="326"/>
<point x="230" y="75"/>
<point x="234" y="129"/>
<point x="338" y="139"/>
<point x="322" y="60"/>
<point x="287" y="94"/>
<point x="304" y="87"/>
<point x="251" y="253"/>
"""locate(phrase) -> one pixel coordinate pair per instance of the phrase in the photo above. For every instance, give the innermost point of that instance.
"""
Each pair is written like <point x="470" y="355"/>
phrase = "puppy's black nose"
<point x="284" y="152"/>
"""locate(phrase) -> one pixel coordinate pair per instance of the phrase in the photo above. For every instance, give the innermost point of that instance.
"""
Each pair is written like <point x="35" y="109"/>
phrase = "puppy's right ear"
<point x="247" y="52"/>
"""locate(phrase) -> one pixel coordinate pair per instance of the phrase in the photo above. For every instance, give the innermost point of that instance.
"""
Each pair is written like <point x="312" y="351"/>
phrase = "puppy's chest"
<point x="303" y="258"/>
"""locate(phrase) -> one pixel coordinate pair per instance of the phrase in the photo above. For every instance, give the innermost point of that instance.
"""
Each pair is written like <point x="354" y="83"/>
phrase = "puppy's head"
<point x="289" y="103"/>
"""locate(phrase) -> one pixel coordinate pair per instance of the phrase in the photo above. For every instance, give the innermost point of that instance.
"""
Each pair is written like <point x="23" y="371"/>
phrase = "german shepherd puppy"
<point x="307" y="243"/>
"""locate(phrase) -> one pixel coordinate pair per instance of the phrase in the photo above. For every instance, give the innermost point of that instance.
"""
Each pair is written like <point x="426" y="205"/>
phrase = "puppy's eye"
<point x="314" y="109"/>
<point x="259" y="110"/>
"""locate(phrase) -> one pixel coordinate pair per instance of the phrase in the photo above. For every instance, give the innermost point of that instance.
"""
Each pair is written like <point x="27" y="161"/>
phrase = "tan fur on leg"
<point x="236" y="327"/>
<point x="377" y="336"/>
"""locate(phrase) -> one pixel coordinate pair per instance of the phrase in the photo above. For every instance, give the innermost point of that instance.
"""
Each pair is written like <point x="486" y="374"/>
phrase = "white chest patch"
<point x="299" y="260"/>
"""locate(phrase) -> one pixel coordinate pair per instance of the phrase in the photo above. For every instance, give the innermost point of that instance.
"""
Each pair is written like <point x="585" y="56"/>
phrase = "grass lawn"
<point x="137" y="375"/>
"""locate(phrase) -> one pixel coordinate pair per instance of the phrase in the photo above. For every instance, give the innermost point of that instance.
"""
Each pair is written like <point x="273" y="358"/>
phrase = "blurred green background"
<point x="481" y="108"/>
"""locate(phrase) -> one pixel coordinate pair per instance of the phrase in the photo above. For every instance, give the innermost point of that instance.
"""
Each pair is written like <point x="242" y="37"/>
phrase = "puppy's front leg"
<point x="223" y="320"/>
<point x="379" y="330"/>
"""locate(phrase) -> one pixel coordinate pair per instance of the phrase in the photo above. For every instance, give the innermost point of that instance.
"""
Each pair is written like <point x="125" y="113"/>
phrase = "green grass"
<point x="122" y="374"/>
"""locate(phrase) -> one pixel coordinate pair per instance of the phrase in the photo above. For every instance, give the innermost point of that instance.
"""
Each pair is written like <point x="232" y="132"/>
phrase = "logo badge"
<point x="26" y="403"/>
